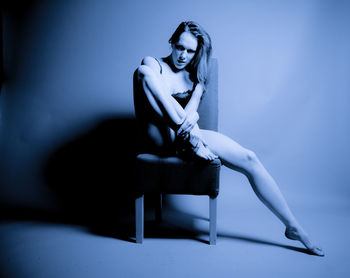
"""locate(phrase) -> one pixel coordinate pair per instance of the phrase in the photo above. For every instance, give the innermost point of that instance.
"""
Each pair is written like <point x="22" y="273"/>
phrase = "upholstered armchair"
<point x="172" y="175"/>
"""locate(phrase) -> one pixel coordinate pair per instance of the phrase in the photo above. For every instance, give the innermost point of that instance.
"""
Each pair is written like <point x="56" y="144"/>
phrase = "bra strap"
<point x="160" y="66"/>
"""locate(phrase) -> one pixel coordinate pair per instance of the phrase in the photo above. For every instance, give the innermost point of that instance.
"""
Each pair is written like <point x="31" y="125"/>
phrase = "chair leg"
<point x="139" y="218"/>
<point x="212" y="219"/>
<point x="159" y="206"/>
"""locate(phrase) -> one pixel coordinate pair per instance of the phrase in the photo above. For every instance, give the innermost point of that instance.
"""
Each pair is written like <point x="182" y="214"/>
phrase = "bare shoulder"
<point x="151" y="62"/>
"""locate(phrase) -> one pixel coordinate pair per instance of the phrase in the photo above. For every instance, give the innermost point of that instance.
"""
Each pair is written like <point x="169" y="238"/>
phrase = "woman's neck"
<point x="170" y="63"/>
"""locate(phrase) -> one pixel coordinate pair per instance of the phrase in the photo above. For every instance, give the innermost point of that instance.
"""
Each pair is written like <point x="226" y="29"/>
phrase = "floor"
<point x="250" y="242"/>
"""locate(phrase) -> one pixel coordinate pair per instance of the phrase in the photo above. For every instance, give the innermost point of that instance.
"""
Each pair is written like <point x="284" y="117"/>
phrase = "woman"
<point x="168" y="92"/>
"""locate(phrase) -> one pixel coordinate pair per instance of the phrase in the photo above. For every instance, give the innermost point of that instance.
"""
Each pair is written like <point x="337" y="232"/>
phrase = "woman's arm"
<point x="191" y="110"/>
<point x="193" y="103"/>
<point x="158" y="94"/>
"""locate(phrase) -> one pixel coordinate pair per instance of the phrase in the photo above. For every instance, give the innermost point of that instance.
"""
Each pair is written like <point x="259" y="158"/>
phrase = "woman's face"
<point x="184" y="50"/>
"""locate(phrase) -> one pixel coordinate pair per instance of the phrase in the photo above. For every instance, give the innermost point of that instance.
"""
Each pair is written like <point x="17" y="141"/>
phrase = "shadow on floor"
<point x="93" y="178"/>
<point x="180" y="225"/>
<point x="175" y="225"/>
<point x="264" y="242"/>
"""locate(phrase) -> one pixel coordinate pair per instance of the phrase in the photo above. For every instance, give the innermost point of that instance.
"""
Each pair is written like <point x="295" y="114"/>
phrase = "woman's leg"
<point x="238" y="158"/>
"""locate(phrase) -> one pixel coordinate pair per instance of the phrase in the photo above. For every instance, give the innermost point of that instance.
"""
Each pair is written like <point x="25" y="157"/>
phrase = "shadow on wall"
<point x="93" y="176"/>
<point x="94" y="179"/>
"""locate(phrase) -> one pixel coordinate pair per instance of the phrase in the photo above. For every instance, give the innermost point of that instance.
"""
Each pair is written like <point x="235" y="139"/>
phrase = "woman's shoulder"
<point x="153" y="63"/>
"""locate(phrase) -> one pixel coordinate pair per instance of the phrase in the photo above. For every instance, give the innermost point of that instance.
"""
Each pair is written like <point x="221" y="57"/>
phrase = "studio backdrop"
<point x="66" y="105"/>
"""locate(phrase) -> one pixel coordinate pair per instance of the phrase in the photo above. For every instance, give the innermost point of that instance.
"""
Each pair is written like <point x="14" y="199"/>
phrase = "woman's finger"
<point x="189" y="128"/>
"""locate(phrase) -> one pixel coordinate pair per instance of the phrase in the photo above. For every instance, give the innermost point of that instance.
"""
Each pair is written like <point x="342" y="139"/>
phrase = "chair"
<point x="172" y="175"/>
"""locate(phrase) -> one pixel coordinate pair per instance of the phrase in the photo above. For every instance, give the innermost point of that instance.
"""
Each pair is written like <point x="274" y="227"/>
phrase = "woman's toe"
<point x="317" y="251"/>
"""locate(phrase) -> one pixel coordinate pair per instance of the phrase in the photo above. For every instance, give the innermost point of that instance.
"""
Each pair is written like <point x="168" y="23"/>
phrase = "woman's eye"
<point x="180" y="47"/>
<point x="190" y="51"/>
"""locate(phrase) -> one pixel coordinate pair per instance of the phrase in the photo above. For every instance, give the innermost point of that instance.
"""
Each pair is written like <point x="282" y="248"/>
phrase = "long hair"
<point x="198" y="67"/>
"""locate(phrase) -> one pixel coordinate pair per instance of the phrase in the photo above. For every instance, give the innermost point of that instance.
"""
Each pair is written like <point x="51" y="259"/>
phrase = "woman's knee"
<point x="251" y="156"/>
<point x="250" y="159"/>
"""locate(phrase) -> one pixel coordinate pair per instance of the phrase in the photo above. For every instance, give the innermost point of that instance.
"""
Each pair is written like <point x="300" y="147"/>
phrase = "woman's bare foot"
<point x="299" y="234"/>
<point x="190" y="141"/>
<point x="202" y="151"/>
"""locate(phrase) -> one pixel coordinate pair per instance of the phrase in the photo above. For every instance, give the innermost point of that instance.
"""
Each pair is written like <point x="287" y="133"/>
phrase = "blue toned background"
<point x="284" y="82"/>
<point x="66" y="106"/>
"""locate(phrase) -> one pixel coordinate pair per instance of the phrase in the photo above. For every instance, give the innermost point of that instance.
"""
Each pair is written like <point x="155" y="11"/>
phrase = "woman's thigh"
<point x="156" y="136"/>
<point x="231" y="153"/>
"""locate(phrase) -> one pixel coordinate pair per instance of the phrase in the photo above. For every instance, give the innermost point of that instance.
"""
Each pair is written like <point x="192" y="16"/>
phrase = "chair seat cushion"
<point x="172" y="175"/>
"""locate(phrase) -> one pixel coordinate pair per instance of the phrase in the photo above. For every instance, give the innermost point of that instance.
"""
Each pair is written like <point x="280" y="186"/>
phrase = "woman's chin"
<point x="180" y="66"/>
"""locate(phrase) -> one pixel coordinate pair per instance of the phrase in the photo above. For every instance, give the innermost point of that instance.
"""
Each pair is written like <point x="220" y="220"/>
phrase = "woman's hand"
<point x="189" y="122"/>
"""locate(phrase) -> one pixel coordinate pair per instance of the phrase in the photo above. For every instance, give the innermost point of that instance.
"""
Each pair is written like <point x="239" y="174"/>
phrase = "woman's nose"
<point x="183" y="55"/>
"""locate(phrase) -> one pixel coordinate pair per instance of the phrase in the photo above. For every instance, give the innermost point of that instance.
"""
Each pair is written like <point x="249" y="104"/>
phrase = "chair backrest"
<point x="208" y="107"/>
